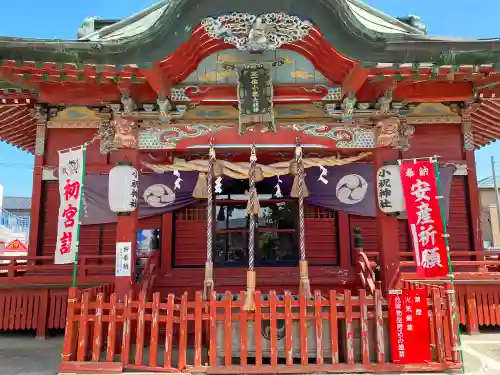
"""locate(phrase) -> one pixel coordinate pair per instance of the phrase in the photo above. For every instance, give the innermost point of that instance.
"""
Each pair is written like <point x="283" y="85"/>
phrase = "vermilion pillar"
<point x="37" y="192"/>
<point x="387" y="228"/>
<point x="126" y="230"/>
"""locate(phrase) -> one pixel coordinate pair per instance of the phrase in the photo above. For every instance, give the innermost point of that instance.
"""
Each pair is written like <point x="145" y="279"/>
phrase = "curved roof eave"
<point x="340" y="26"/>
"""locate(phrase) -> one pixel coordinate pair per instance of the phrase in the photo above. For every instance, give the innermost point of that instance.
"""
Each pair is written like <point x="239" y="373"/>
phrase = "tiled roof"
<point x="16" y="203"/>
<point x="487" y="183"/>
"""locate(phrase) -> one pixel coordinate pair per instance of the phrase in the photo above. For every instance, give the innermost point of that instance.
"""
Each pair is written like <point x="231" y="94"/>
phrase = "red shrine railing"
<point x="365" y="269"/>
<point x="329" y="333"/>
<point x="149" y="273"/>
<point x="467" y="265"/>
<point x="91" y="269"/>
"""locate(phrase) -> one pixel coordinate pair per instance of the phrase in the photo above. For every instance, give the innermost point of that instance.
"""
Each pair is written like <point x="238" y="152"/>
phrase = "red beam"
<point x="355" y="79"/>
<point x="157" y="80"/>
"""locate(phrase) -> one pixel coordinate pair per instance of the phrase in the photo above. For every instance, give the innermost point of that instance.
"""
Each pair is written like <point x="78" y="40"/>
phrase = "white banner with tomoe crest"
<point x="71" y="172"/>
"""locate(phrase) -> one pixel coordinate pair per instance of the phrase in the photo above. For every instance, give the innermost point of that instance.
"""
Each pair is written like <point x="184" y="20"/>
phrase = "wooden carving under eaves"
<point x="207" y="113"/>
<point x="299" y="111"/>
<point x="432" y="113"/>
<point x="393" y="132"/>
<point x="77" y="118"/>
<point x="125" y="132"/>
<point x="212" y="112"/>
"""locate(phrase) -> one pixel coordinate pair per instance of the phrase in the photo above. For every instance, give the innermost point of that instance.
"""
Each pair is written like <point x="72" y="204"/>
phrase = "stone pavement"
<point x="21" y="354"/>
<point x="482" y="353"/>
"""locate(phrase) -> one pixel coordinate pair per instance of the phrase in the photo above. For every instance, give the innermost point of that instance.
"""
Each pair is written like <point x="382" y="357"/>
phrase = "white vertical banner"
<point x="71" y="174"/>
<point x="123" y="259"/>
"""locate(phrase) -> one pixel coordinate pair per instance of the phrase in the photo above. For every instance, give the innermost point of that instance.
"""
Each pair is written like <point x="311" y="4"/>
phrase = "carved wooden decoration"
<point x="467" y="132"/>
<point x="125" y="132"/>
<point x="77" y="118"/>
<point x="432" y="113"/>
<point x="386" y="131"/>
<point x="256" y="33"/>
<point x="302" y="111"/>
<point x="209" y="112"/>
<point x="41" y="123"/>
<point x="107" y="133"/>
<point x="394" y="132"/>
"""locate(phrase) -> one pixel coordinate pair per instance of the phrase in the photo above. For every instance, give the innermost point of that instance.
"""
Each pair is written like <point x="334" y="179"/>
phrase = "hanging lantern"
<point x="123" y="188"/>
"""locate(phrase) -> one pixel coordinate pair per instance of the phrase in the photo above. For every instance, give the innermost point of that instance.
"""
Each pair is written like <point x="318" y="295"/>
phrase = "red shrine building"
<point x="256" y="130"/>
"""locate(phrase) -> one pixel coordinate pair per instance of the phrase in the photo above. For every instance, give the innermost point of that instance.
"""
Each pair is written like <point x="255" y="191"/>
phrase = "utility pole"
<point x="496" y="189"/>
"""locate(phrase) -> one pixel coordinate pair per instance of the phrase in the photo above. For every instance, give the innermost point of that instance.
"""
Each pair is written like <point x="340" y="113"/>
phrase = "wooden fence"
<point x="286" y="334"/>
<point x="38" y="309"/>
<point x="478" y="305"/>
<point x="467" y="265"/>
<point x="33" y="309"/>
<point x="25" y="270"/>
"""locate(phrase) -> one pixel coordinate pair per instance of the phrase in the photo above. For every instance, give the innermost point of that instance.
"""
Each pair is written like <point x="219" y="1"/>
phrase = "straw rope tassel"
<point x="252" y="198"/>
<point x="200" y="190"/>
<point x="208" y="285"/>
<point x="304" y="286"/>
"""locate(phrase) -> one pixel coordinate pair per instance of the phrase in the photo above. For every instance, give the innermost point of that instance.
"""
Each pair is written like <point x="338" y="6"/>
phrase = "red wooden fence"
<point x="149" y="271"/>
<point x="38" y="309"/>
<point x="91" y="269"/>
<point x="478" y="305"/>
<point x="34" y="308"/>
<point x="451" y="319"/>
<point x="329" y="333"/>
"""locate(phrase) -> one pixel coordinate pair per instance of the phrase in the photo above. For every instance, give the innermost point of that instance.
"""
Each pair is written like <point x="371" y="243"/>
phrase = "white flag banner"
<point x="71" y="172"/>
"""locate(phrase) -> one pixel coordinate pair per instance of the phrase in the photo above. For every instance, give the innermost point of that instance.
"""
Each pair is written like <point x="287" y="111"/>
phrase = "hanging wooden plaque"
<point x="255" y="97"/>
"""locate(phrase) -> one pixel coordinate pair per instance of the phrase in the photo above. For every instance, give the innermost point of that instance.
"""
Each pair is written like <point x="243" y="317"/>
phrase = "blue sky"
<point x="60" y="19"/>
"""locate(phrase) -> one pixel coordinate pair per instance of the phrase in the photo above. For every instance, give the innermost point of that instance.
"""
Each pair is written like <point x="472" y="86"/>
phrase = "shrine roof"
<point x="487" y="183"/>
<point x="17" y="203"/>
<point x="355" y="47"/>
<point x="371" y="18"/>
<point x="352" y="27"/>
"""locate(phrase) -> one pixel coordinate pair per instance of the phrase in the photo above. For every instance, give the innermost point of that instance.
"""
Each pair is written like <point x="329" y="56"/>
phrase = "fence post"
<point x="357" y="248"/>
<point x="71" y="332"/>
<point x="452" y="308"/>
<point x="379" y="327"/>
<point x="11" y="270"/>
<point x="82" y="267"/>
<point x="43" y="312"/>
<point x="438" y="325"/>
<point x="472" y="320"/>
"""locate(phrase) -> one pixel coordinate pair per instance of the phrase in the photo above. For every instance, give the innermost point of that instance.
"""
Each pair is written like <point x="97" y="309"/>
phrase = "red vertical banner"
<point x="424" y="218"/>
<point x="409" y="326"/>
<point x="398" y="343"/>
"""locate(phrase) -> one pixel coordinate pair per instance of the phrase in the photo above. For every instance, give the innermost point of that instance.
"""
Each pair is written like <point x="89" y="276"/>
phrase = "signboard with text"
<point x="123" y="259"/>
<point x="424" y="218"/>
<point x="253" y="90"/>
<point x="409" y="326"/>
<point x="255" y="96"/>
<point x="71" y="172"/>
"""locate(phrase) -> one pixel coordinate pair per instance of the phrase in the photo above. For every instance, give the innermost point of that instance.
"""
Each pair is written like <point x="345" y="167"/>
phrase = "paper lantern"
<point x="390" y="189"/>
<point x="123" y="194"/>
